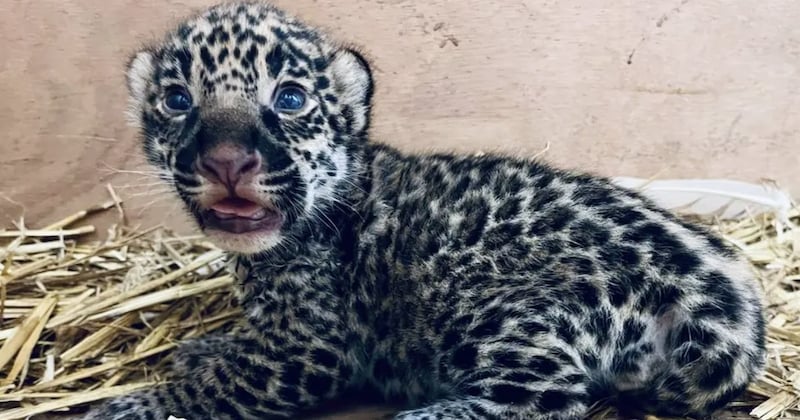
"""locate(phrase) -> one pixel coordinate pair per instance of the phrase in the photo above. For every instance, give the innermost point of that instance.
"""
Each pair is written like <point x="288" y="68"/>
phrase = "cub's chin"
<point x="231" y="228"/>
<point x="247" y="243"/>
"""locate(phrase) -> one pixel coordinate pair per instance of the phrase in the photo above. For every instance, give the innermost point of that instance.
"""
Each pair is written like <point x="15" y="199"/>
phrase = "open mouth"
<point x="239" y="215"/>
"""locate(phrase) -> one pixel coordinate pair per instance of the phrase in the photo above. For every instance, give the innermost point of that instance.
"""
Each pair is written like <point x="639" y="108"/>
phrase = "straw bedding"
<point x="82" y="320"/>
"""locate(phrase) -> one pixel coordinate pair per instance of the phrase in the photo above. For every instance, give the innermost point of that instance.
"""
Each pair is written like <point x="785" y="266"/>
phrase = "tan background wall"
<point x="676" y="88"/>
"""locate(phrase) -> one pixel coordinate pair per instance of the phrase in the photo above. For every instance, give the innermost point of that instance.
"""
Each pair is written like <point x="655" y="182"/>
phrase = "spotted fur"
<point x="468" y="287"/>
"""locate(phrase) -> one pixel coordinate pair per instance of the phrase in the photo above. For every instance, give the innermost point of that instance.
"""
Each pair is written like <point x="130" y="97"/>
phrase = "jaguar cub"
<point x="467" y="287"/>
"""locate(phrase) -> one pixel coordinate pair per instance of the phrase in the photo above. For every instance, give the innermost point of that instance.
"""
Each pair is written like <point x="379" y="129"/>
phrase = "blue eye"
<point x="178" y="100"/>
<point x="290" y="99"/>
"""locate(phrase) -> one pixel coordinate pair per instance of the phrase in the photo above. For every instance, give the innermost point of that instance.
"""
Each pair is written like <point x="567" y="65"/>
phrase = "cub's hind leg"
<point x="492" y="381"/>
<point x="708" y="366"/>
<point x="708" y="356"/>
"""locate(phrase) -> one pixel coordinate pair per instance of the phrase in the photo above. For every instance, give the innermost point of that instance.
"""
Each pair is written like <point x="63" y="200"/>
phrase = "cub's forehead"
<point x="240" y="21"/>
<point x="248" y="36"/>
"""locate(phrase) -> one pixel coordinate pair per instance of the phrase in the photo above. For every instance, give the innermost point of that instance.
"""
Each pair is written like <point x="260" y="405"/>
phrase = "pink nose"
<point x="228" y="165"/>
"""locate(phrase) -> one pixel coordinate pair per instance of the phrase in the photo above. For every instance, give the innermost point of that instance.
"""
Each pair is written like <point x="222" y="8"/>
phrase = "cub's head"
<point x="255" y="118"/>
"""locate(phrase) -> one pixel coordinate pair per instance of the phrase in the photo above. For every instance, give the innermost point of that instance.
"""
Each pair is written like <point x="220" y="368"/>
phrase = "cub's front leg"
<point x="290" y="359"/>
<point x="236" y="378"/>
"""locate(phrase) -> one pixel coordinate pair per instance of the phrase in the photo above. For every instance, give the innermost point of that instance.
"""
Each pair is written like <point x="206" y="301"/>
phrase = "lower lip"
<point x="270" y="221"/>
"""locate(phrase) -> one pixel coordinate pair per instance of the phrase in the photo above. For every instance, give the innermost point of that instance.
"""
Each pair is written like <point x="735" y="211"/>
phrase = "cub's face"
<point x="254" y="118"/>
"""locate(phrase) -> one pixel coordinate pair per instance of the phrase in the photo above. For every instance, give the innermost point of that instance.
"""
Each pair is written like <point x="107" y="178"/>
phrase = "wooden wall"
<point x="674" y="89"/>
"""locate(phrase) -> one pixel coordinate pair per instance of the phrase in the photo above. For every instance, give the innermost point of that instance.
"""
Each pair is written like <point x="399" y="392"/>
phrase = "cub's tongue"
<point x="238" y="207"/>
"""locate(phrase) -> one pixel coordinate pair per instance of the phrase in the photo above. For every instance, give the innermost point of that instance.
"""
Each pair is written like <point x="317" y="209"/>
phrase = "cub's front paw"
<point x="138" y="406"/>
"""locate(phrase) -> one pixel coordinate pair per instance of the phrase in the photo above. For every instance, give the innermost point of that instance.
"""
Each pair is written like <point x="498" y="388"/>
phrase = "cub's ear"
<point x="353" y="77"/>
<point x="139" y="73"/>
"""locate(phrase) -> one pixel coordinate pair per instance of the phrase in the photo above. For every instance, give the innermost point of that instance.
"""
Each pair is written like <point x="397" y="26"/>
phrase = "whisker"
<point x="282" y="172"/>
<point x="150" y="204"/>
<point x="81" y="136"/>
<point x="133" y="171"/>
<point x="150" y="172"/>
<point x="352" y="184"/>
<point x="149" y="193"/>
<point x="320" y="215"/>
<point x="128" y="186"/>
